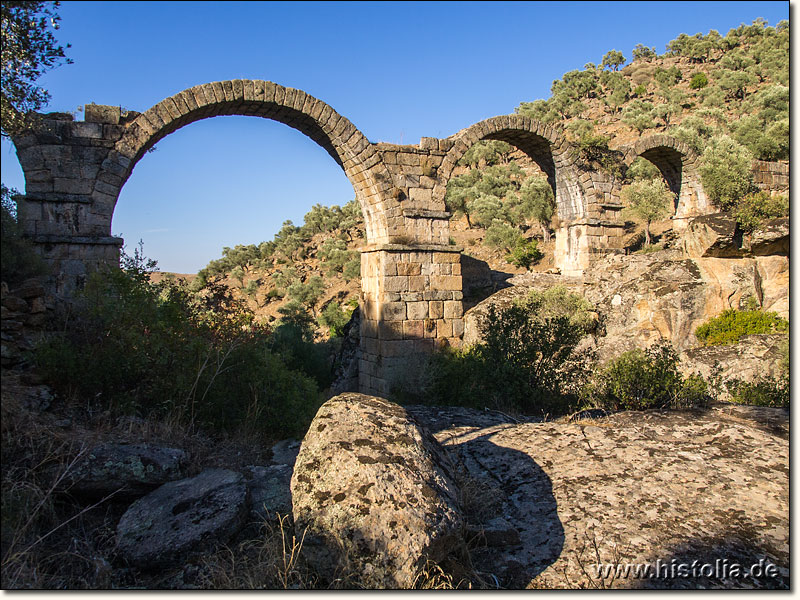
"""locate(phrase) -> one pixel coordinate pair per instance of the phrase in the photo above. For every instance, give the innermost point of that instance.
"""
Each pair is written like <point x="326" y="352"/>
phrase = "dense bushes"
<point x="132" y="346"/>
<point x="642" y="379"/>
<point x="529" y="360"/>
<point x="731" y="325"/>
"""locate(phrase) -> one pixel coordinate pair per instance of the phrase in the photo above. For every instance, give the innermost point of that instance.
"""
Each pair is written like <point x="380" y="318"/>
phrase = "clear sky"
<point x="398" y="71"/>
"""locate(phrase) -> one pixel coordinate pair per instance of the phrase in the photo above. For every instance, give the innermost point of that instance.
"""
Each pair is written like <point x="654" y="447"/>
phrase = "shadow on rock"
<point x="512" y="517"/>
<point x="735" y="559"/>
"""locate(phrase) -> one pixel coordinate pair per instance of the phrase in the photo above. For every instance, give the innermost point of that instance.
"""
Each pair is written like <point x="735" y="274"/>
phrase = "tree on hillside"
<point x="29" y="49"/>
<point x="725" y="171"/>
<point x="647" y="201"/>
<point x="642" y="52"/>
<point x="613" y="59"/>
<point x="536" y="202"/>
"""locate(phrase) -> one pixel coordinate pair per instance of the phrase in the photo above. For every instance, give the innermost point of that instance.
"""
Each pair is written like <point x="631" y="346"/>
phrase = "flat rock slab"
<point x="130" y="470"/>
<point x="634" y="487"/>
<point x="181" y="517"/>
<point x="269" y="492"/>
<point x="373" y="493"/>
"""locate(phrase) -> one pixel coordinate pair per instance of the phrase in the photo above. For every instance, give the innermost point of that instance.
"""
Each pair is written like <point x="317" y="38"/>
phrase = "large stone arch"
<point x="677" y="162"/>
<point x="293" y="107"/>
<point x="544" y="144"/>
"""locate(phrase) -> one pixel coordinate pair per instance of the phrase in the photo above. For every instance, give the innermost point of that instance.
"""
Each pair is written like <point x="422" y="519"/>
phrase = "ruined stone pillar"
<point x="64" y="211"/>
<point x="412" y="304"/>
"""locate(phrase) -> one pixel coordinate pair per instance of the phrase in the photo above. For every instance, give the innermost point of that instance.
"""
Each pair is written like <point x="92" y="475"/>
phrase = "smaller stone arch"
<point x="544" y="144"/>
<point x="678" y="163"/>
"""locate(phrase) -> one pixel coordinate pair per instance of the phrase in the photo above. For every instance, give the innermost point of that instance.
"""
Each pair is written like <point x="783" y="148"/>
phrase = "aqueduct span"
<point x="411" y="296"/>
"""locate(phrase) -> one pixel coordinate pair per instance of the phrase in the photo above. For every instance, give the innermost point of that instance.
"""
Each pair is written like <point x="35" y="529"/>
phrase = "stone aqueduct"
<point x="411" y="296"/>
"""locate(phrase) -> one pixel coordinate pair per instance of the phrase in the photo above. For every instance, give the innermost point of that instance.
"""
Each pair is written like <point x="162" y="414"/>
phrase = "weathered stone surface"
<point x="713" y="235"/>
<point x="268" y="491"/>
<point x="643" y="486"/>
<point x="753" y="356"/>
<point x="131" y="470"/>
<point x="373" y="492"/>
<point x="285" y="452"/>
<point x="642" y="299"/>
<point x="29" y="288"/>
<point x="182" y="517"/>
<point x="771" y="238"/>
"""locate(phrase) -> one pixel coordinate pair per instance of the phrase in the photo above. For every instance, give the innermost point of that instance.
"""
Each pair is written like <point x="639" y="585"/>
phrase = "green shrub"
<point x="640" y="90"/>
<point x="528" y="362"/>
<point x="525" y="253"/>
<point x="334" y="318"/>
<point x="502" y="236"/>
<point x="644" y="379"/>
<point x="731" y="325"/>
<point x="764" y="391"/>
<point x="698" y="81"/>
<point x="132" y="346"/>
<point x="754" y="209"/>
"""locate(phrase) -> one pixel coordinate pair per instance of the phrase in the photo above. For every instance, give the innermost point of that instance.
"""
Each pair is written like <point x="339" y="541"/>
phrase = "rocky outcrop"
<point x="717" y="236"/>
<point x="752" y="357"/>
<point x="126" y="470"/>
<point x="642" y="299"/>
<point x="771" y="238"/>
<point x="373" y="494"/>
<point x="182" y="517"/>
<point x="713" y="235"/>
<point x="633" y="487"/>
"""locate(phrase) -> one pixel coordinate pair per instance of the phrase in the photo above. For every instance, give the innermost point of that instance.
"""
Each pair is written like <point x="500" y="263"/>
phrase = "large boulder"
<point x="181" y="517"/>
<point x="373" y="494"/>
<point x="632" y="487"/>
<point x="771" y="238"/>
<point x="127" y="470"/>
<point x="713" y="236"/>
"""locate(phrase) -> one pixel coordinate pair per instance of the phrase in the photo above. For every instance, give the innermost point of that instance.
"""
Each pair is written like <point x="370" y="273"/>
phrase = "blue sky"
<point x="398" y="71"/>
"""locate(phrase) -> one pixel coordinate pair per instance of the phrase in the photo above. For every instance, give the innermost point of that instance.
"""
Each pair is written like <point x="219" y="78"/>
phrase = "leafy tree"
<point x="307" y="293"/>
<point x="694" y="131"/>
<point x="18" y="260"/>
<point x="735" y="83"/>
<point x="642" y="169"/>
<point x="638" y="114"/>
<point x="725" y="171"/>
<point x="29" y="49"/>
<point x="540" y="110"/>
<point x="698" y="81"/>
<point x="613" y="59"/>
<point x="485" y="209"/>
<point x="647" y="201"/>
<point x="334" y="318"/>
<point x="486" y="153"/>
<point x="535" y="201"/>
<point x="641" y="52"/>
<point x="752" y="210"/>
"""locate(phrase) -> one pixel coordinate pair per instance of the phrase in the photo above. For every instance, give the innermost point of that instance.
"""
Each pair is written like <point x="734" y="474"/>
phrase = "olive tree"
<point x="647" y="201"/>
